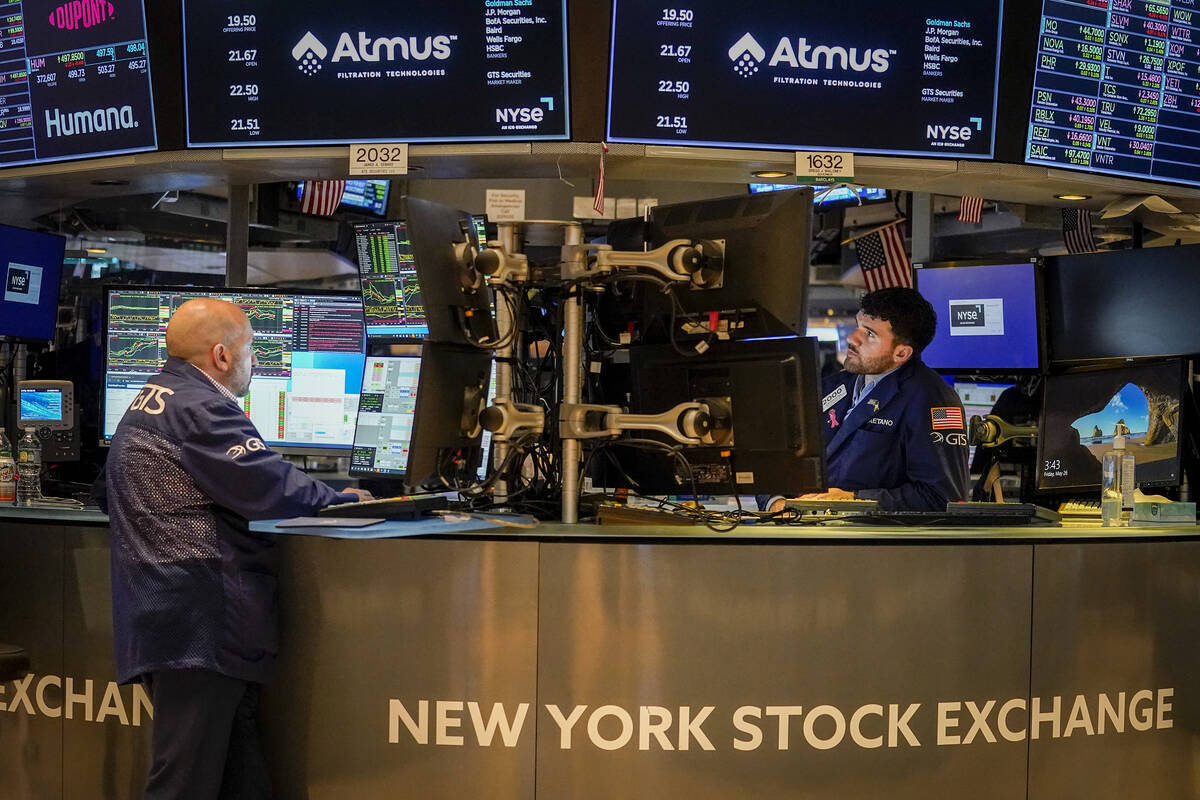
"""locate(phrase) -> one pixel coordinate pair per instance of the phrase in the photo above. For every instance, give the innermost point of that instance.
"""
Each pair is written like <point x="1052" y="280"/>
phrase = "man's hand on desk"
<point x="363" y="494"/>
<point x="832" y="494"/>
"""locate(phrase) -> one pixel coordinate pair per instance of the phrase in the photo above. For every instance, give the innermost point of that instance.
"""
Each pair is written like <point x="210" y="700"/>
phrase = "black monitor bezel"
<point x="1182" y="366"/>
<point x="1039" y="289"/>
<point x="295" y="450"/>
<point x="385" y="338"/>
<point x="400" y="475"/>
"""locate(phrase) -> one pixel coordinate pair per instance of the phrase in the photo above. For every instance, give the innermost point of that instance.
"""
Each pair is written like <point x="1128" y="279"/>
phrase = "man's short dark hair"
<point x="912" y="318"/>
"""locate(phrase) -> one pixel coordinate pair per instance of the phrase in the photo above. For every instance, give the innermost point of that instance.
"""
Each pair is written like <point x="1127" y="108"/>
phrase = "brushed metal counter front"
<point x="396" y="653"/>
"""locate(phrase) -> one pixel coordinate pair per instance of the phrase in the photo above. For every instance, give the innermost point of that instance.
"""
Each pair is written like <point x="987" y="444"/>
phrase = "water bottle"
<point x="8" y="472"/>
<point x="1116" y="485"/>
<point x="29" y="469"/>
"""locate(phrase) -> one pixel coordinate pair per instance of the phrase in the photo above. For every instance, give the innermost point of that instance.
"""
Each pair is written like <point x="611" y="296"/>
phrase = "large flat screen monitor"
<point x="1115" y="90"/>
<point x="988" y="319"/>
<point x="770" y="390"/>
<point x="385" y="418"/>
<point x="869" y="76"/>
<point x="304" y="392"/>
<point x="32" y="268"/>
<point x="1082" y="411"/>
<point x="1124" y="304"/>
<point x="76" y="81"/>
<point x="360" y="71"/>
<point x="765" y="284"/>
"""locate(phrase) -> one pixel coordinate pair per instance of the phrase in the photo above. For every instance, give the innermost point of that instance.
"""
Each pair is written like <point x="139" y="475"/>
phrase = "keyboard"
<point x="973" y="513"/>
<point x="831" y="506"/>
<point x="1080" y="508"/>
<point x="409" y="507"/>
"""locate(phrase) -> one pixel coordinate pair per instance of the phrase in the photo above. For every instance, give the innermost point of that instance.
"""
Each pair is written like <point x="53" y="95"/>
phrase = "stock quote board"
<point x="313" y="72"/>
<point x="868" y="76"/>
<point x="1117" y="89"/>
<point x="74" y="80"/>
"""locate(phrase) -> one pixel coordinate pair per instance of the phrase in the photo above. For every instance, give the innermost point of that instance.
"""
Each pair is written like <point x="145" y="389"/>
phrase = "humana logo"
<point x="309" y="52"/>
<point x="98" y="120"/>
<point x="746" y="55"/>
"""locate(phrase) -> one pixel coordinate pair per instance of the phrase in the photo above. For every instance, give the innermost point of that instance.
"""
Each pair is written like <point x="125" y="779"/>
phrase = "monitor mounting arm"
<point x="706" y="421"/>
<point x="700" y="264"/>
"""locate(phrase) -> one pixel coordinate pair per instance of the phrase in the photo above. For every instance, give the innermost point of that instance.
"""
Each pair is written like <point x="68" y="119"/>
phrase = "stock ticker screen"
<point x="304" y="390"/>
<point x="870" y="76"/>
<point x="313" y="72"/>
<point x="1117" y="88"/>
<point x="75" y="80"/>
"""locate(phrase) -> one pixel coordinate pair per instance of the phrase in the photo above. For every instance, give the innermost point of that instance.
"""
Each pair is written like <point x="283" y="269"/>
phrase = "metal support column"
<point x="572" y="387"/>
<point x="237" y="235"/>
<point x="507" y="234"/>
<point x="921" y="217"/>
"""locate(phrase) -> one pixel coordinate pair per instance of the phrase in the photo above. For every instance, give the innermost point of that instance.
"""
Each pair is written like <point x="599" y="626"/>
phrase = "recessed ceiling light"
<point x="97" y="250"/>
<point x="1073" y="196"/>
<point x="771" y="173"/>
<point x="110" y="182"/>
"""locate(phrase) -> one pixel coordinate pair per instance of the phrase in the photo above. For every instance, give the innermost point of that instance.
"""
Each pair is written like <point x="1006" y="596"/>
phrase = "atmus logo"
<point x="746" y="54"/>
<point x="310" y="52"/>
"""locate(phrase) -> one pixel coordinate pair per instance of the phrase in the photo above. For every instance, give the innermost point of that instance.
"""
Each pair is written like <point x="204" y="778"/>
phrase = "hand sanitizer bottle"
<point x="1116" y="485"/>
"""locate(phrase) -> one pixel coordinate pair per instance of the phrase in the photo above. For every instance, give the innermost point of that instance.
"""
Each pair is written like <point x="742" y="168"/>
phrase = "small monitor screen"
<point x="304" y="392"/>
<point x="832" y="196"/>
<point x="1083" y="411"/>
<point x="32" y="267"/>
<point x="987" y="317"/>
<point x="385" y="417"/>
<point x="393" y="306"/>
<point x="41" y="404"/>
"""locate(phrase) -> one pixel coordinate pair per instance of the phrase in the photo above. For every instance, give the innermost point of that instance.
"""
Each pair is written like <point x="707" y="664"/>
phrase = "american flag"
<point x="598" y="203"/>
<point x="970" y="209"/>
<point x="1077" y="230"/>
<point x="883" y="260"/>
<point x="321" y="197"/>
<point x="948" y="417"/>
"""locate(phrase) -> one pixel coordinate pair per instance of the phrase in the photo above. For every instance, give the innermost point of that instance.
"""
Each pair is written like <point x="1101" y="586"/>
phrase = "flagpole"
<point x="875" y="230"/>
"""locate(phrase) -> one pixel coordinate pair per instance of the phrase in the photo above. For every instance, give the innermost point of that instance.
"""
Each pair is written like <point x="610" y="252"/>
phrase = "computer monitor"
<point x="393" y="306"/>
<point x="386" y="409"/>
<point x="447" y="448"/>
<point x="303" y="395"/>
<point x="369" y="195"/>
<point x="828" y="196"/>
<point x="45" y="404"/>
<point x="456" y="299"/>
<point x="771" y="389"/>
<point x="988" y="319"/>
<point x="1081" y="412"/>
<point x="32" y="264"/>
<point x="764" y="291"/>
<point x="1123" y="304"/>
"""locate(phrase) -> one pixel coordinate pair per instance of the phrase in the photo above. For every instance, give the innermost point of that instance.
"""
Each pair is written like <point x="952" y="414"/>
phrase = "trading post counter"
<point x="590" y="662"/>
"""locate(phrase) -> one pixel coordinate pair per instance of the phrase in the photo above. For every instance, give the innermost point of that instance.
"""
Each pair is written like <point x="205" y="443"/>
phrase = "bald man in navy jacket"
<point x="194" y="613"/>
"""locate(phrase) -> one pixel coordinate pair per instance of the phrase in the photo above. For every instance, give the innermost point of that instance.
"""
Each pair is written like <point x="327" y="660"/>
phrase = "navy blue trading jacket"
<point x="904" y="445"/>
<point x="192" y="586"/>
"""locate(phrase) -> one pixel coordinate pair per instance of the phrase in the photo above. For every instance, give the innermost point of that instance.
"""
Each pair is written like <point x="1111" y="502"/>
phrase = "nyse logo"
<point x="81" y="14"/>
<point x="18" y="280"/>
<point x="746" y="54"/>
<point x="524" y="116"/>
<point x="968" y="315"/>
<point x="948" y="133"/>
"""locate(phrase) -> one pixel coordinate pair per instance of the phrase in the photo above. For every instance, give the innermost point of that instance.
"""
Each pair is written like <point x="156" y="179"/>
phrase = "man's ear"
<point x="220" y="356"/>
<point x="902" y="353"/>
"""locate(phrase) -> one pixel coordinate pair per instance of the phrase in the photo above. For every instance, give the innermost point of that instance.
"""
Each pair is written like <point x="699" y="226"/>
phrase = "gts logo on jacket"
<point x="151" y="399"/>
<point x="251" y="445"/>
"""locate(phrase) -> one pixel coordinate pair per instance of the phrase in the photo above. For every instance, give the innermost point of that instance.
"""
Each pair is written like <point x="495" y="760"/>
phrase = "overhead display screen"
<point x="1117" y="88"/>
<point x="869" y="76"/>
<point x="314" y="72"/>
<point x="74" y="80"/>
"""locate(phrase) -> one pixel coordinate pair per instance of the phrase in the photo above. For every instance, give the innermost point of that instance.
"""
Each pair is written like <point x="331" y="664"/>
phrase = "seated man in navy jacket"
<point x="894" y="429"/>
<point x="193" y="587"/>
